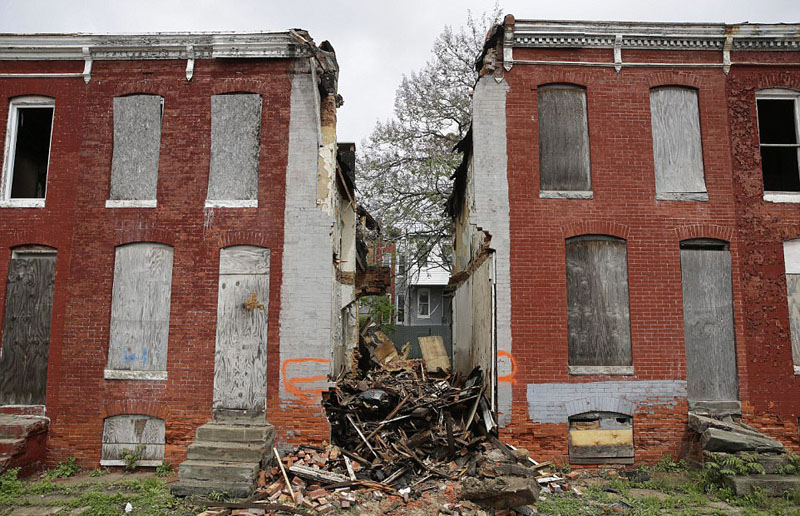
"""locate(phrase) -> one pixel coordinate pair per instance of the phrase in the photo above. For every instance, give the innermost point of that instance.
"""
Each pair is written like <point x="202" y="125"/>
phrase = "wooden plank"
<point x="598" y="318"/>
<point x="244" y="259"/>
<point x="793" y="293"/>
<point x="711" y="372"/>
<point x="129" y="432"/>
<point x="240" y="358"/>
<point x="26" y="329"/>
<point x="140" y="307"/>
<point x="434" y="353"/>
<point x="601" y="437"/>
<point x="677" y="145"/>
<point x="235" y="142"/>
<point x="137" y="143"/>
<point x="563" y="138"/>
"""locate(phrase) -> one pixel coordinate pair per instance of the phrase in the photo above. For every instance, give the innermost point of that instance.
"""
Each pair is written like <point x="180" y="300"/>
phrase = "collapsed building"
<point x="178" y="230"/>
<point x="627" y="234"/>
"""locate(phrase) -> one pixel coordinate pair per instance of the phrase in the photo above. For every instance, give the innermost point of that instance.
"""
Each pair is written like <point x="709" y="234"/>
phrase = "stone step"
<point x="12" y="445"/>
<point x="230" y="452"/>
<point x="221" y="432"/>
<point x="773" y="485"/>
<point x="12" y="426"/>
<point x="218" y="470"/>
<point x="205" y="487"/>
<point x="719" y="440"/>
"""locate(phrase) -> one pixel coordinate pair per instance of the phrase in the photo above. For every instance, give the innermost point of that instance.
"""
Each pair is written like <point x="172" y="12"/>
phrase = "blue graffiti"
<point x="130" y="356"/>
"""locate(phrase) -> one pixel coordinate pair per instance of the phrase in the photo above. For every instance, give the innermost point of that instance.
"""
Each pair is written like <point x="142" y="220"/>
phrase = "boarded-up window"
<point x="140" y="311"/>
<point x="711" y="373"/>
<point x="132" y="434"/>
<point x="677" y="149"/>
<point x="235" y="136"/>
<point x="779" y="136"/>
<point x="137" y="143"/>
<point x="791" y="255"/>
<point x="563" y="139"/>
<point x="598" y="321"/>
<point x="601" y="438"/>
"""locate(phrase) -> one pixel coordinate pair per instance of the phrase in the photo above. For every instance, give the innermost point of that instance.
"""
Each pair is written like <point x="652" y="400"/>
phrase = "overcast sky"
<point x="376" y="42"/>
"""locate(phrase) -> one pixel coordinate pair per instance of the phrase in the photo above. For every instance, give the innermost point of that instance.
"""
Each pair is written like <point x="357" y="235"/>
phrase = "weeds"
<point x="10" y="486"/>
<point x="64" y="469"/>
<point x="131" y="458"/>
<point x="164" y="470"/>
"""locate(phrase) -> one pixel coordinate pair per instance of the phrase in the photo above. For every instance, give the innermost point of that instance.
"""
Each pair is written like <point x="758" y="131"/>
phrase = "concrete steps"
<point x="22" y="442"/>
<point x="772" y="485"/>
<point x="225" y="457"/>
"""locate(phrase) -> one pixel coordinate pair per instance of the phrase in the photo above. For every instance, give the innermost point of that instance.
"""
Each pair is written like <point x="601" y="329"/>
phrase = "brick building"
<point x="169" y="209"/>
<point x="629" y="196"/>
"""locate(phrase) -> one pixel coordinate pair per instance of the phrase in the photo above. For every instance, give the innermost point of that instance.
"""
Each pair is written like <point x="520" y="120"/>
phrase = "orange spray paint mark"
<point x="509" y="377"/>
<point x="290" y="384"/>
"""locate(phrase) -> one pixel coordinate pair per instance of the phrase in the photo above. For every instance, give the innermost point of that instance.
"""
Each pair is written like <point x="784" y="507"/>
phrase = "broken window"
<point x="235" y="143"/>
<point x="677" y="147"/>
<point x="563" y="142"/>
<point x="140" y="312"/>
<point x="27" y="151"/>
<point x="598" y="320"/>
<point x="134" y="434"/>
<point x="601" y="438"/>
<point x="778" y="129"/>
<point x="137" y="143"/>
<point x="791" y="255"/>
<point x="423" y="303"/>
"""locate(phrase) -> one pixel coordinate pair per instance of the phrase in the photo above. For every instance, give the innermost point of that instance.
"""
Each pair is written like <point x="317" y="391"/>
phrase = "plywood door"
<point x="708" y="325"/>
<point x="240" y="360"/>
<point x="26" y="329"/>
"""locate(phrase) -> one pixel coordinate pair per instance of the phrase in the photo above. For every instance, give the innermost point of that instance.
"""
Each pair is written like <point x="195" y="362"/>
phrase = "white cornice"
<point x="151" y="46"/>
<point x="655" y="36"/>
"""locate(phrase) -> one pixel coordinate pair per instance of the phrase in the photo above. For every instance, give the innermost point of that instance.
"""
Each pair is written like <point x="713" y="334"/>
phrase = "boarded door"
<point x="240" y="360"/>
<point x="26" y="328"/>
<point x="708" y="321"/>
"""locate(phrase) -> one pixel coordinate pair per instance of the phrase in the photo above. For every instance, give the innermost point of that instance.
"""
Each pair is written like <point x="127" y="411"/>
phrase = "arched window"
<point x="598" y="319"/>
<point x="135" y="434"/>
<point x="140" y="312"/>
<point x="564" y="169"/>
<point x="235" y="143"/>
<point x="137" y="146"/>
<point x="677" y="146"/>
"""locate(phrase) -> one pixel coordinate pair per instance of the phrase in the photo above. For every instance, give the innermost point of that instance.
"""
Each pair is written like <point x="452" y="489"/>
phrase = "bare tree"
<point x="406" y="163"/>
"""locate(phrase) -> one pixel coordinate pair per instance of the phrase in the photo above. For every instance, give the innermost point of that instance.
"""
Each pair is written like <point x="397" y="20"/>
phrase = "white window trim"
<point x="131" y="203"/>
<point x="144" y="463"/>
<point x="781" y="94"/>
<point x="566" y="194"/>
<point x="11" y="148"/>
<point x="232" y="203"/>
<point x="419" y="294"/>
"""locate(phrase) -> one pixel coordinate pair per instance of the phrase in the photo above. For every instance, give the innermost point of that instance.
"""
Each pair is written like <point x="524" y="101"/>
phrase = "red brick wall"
<point x="624" y="205"/>
<point x="76" y="222"/>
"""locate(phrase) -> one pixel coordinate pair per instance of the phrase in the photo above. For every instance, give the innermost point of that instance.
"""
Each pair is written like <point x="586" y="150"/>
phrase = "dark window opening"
<point x="601" y="438"/>
<point x="777" y="129"/>
<point x="32" y="153"/>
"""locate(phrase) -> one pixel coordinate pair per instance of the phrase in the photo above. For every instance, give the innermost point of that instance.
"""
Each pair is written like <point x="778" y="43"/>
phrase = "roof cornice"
<point x="178" y="45"/>
<point x="655" y="36"/>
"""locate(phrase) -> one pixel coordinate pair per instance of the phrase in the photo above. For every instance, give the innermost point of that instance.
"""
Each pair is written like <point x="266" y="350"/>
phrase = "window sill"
<point x="237" y="203"/>
<point x="117" y="462"/>
<point x="153" y="376"/>
<point x="782" y="197"/>
<point x="131" y="203"/>
<point x="682" y="196"/>
<point x="22" y="203"/>
<point x="566" y="194"/>
<point x="601" y="370"/>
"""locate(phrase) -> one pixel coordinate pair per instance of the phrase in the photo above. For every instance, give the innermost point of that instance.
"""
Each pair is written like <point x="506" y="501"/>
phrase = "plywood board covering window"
<point x="711" y="373"/>
<point x="27" y="152"/>
<point x="26" y="327"/>
<point x="137" y="143"/>
<point x="601" y="438"/>
<point x="779" y="138"/>
<point x="598" y="319"/>
<point x="140" y="310"/>
<point x="563" y="139"/>
<point x="791" y="254"/>
<point x="677" y="146"/>
<point x="235" y="137"/>
<point x="143" y="435"/>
